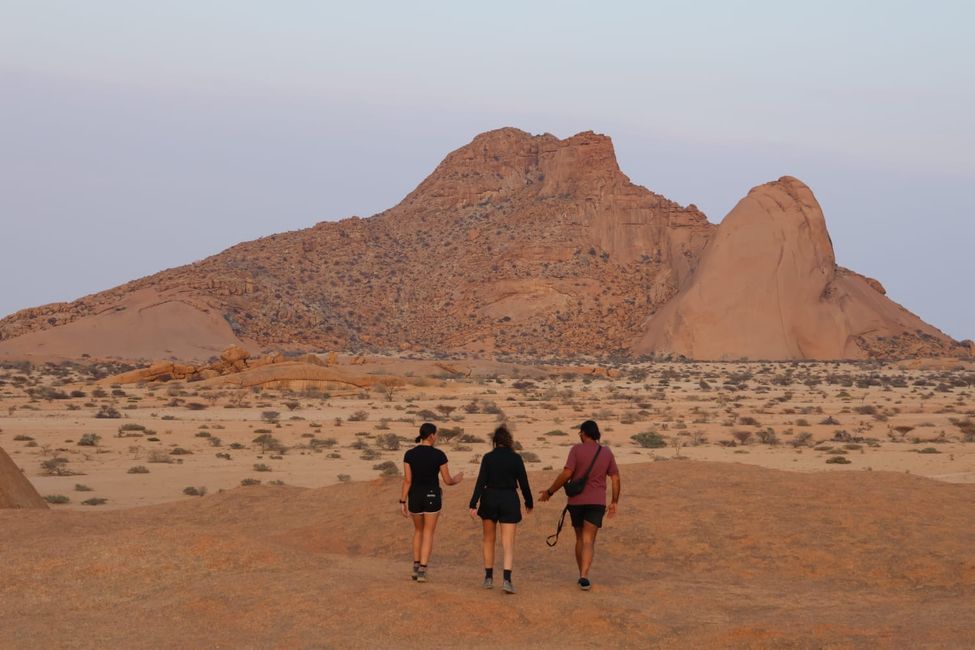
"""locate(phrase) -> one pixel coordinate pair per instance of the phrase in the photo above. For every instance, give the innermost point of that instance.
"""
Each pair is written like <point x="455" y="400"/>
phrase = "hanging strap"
<point x="585" y="477"/>
<point x="552" y="540"/>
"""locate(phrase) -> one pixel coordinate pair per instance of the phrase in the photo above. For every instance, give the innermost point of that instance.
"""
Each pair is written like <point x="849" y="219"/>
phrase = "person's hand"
<point x="473" y="512"/>
<point x="402" y="508"/>
<point x="544" y="496"/>
<point x="458" y="477"/>
<point x="611" y="511"/>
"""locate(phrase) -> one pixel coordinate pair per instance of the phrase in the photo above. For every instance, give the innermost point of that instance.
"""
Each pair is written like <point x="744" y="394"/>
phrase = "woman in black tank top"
<point x="420" y="498"/>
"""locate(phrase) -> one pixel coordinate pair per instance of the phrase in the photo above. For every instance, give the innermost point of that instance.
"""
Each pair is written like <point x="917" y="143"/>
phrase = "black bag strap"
<point x="552" y="540"/>
<point x="585" y="477"/>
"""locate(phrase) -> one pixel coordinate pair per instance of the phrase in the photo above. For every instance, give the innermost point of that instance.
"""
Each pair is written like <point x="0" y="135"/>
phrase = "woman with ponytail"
<point x="421" y="496"/>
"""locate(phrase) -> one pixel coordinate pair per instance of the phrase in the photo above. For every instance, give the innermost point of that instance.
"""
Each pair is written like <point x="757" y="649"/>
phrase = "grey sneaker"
<point x="508" y="587"/>
<point x="488" y="583"/>
<point x="421" y="575"/>
<point x="415" y="573"/>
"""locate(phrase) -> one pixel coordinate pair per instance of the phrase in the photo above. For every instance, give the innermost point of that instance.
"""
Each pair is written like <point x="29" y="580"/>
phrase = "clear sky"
<point x="138" y="135"/>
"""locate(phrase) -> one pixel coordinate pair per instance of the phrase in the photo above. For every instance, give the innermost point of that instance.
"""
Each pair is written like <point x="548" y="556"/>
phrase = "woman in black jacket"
<point x="501" y="470"/>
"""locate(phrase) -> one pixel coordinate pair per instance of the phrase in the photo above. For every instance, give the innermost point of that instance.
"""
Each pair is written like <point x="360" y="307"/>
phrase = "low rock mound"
<point x="236" y="369"/>
<point x="15" y="490"/>
<point x="145" y="324"/>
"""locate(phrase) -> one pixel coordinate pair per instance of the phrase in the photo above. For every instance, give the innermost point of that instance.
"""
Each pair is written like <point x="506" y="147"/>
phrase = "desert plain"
<point x="790" y="504"/>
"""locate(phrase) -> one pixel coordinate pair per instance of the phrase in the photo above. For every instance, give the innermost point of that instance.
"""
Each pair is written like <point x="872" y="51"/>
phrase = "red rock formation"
<point x="768" y="287"/>
<point x="517" y="244"/>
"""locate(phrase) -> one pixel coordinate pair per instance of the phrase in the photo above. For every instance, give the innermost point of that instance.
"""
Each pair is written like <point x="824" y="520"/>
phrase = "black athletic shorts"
<point x="591" y="513"/>
<point x="500" y="506"/>
<point x="424" y="499"/>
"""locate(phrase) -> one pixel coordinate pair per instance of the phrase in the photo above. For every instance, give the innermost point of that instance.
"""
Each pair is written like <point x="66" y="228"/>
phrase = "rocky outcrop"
<point x="768" y="287"/>
<point x="15" y="490"/>
<point x="236" y="369"/>
<point x="517" y="244"/>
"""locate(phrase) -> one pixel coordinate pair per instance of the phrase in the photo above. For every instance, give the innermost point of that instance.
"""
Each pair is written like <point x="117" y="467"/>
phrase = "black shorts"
<point x="424" y="500"/>
<point x="500" y="506"/>
<point x="591" y="513"/>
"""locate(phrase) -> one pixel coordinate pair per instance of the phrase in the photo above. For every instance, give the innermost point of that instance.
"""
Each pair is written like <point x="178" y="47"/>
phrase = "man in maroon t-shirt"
<point x="588" y="507"/>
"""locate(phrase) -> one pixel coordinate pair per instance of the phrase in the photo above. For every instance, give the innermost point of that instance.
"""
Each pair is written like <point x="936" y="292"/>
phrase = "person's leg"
<point x="490" y="529"/>
<point x="588" y="537"/>
<point x="426" y="544"/>
<point x="578" y="532"/>
<point x="508" y="544"/>
<point x="417" y="537"/>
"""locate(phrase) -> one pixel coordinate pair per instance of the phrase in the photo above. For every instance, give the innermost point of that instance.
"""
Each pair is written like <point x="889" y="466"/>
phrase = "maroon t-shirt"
<point x="578" y="461"/>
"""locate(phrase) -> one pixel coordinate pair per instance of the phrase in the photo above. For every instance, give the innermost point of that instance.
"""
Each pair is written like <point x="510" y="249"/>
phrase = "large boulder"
<point x="15" y="490"/>
<point x="768" y="287"/>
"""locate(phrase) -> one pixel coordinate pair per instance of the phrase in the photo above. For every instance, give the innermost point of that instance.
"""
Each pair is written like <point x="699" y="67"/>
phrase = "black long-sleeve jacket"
<point x="501" y="469"/>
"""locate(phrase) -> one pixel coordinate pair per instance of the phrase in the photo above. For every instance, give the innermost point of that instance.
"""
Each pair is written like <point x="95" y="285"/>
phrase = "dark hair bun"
<point x="502" y="437"/>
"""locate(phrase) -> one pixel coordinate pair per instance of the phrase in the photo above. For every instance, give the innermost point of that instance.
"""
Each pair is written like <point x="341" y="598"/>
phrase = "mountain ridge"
<point x="515" y="242"/>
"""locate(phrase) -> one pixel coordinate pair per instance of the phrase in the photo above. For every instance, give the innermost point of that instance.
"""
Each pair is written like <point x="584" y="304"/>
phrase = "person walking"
<point x="588" y="507"/>
<point x="421" y="497"/>
<point x="495" y="501"/>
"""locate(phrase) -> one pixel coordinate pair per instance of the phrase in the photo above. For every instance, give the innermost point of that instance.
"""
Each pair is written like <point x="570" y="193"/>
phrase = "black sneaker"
<point x="584" y="584"/>
<point x="416" y="572"/>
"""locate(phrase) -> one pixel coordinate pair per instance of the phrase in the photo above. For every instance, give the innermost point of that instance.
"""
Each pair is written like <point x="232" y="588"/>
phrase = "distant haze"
<point x="136" y="136"/>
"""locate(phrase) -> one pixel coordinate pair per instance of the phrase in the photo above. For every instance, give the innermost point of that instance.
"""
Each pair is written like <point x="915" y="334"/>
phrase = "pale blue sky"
<point x="140" y="135"/>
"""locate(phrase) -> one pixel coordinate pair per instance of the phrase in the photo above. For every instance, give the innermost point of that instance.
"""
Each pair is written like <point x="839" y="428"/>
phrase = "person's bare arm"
<point x="560" y="480"/>
<point x="447" y="478"/>
<point x="407" y="482"/>
<point x="616" y="494"/>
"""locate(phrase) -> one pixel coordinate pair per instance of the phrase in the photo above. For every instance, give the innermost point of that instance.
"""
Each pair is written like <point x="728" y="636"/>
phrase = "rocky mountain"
<point x="515" y="243"/>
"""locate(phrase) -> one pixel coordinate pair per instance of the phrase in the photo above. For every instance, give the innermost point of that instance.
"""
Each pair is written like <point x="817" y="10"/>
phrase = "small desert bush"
<point x="261" y="467"/>
<point x="649" y="440"/>
<point x="94" y="501"/>
<point x="388" y="441"/>
<point x="530" y="457"/>
<point x="138" y="469"/>
<point x="838" y="460"/>
<point x="57" y="499"/>
<point x="108" y="412"/>
<point x="194" y="491"/>
<point x="250" y="481"/>
<point x="387" y="468"/>
<point x="89" y="440"/>
<point x="344" y="478"/>
<point x="81" y="487"/>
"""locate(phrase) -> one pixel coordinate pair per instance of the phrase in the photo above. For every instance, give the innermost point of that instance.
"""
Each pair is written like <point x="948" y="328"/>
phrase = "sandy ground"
<point x="913" y="421"/>
<point x="716" y="547"/>
<point x="700" y="555"/>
